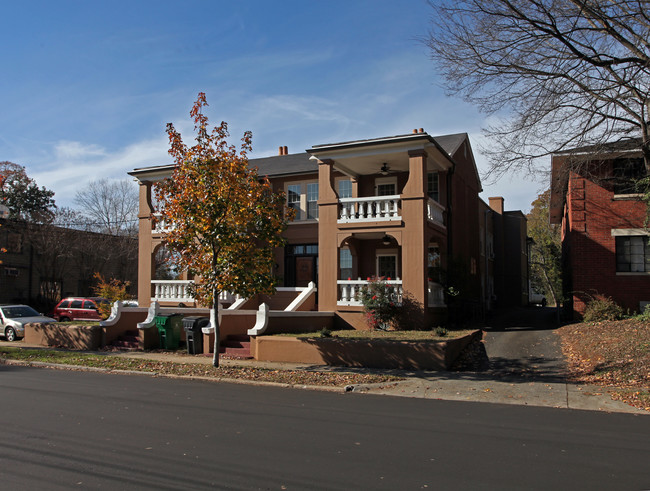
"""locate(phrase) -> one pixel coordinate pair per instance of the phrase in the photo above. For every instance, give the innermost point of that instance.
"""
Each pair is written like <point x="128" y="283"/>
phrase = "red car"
<point x="82" y="309"/>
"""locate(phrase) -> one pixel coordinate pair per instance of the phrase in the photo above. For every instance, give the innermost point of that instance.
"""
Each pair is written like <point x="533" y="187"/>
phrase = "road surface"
<point x="66" y="429"/>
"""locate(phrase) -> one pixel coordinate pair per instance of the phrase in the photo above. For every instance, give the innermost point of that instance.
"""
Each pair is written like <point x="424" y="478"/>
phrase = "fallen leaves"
<point x="615" y="354"/>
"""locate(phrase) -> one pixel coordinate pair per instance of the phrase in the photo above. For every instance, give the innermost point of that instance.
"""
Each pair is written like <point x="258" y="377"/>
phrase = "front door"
<point x="304" y="270"/>
<point x="301" y="264"/>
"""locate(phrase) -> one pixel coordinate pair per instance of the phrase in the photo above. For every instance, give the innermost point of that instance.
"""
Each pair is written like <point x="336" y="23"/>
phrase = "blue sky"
<point x="87" y="87"/>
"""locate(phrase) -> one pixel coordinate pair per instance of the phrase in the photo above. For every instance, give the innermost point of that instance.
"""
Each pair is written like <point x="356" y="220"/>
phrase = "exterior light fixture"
<point x="385" y="240"/>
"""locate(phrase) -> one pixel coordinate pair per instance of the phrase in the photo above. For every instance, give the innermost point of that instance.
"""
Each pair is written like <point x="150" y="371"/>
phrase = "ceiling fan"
<point x="385" y="169"/>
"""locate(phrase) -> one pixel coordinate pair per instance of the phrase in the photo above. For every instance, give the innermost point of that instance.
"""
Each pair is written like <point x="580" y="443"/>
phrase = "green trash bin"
<point x="169" y="330"/>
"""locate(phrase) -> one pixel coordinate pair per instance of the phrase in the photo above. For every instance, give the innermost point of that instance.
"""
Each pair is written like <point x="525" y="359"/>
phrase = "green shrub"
<point x="603" y="309"/>
<point x="645" y="315"/>
<point x="440" y="331"/>
<point x="325" y="333"/>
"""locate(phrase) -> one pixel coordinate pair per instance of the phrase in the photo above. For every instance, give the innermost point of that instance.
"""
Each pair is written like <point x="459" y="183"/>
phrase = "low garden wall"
<point x="76" y="337"/>
<point x="405" y="355"/>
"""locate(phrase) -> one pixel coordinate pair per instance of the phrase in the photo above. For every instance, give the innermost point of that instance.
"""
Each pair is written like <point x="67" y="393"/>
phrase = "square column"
<point x="328" y="210"/>
<point x="414" y="240"/>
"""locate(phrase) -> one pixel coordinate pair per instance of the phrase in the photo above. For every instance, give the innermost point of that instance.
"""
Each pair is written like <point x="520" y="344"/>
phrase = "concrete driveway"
<point x="522" y="342"/>
<point x="525" y="367"/>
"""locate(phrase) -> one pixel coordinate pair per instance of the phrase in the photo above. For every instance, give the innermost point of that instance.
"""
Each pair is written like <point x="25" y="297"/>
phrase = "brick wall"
<point x="592" y="213"/>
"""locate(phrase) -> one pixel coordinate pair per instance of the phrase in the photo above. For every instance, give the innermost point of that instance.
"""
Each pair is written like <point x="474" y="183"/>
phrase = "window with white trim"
<point x="293" y="198"/>
<point x="386" y="186"/>
<point x="345" y="263"/>
<point x="433" y="186"/>
<point x="345" y="188"/>
<point x="312" y="201"/>
<point x="387" y="266"/>
<point x="303" y="197"/>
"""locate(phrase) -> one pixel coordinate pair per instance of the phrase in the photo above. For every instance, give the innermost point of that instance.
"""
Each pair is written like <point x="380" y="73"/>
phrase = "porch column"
<point x="328" y="211"/>
<point x="145" y="246"/>
<point x="414" y="240"/>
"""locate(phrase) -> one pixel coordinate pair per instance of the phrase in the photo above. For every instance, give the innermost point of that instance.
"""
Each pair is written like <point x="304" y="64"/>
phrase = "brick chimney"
<point x="496" y="204"/>
<point x="283" y="150"/>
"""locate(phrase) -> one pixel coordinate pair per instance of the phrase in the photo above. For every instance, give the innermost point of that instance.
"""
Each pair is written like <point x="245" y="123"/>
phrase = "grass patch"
<point x="614" y="354"/>
<point x="388" y="335"/>
<point x="118" y="363"/>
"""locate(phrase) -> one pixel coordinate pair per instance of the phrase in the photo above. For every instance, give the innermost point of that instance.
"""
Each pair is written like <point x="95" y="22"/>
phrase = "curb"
<point x="81" y="368"/>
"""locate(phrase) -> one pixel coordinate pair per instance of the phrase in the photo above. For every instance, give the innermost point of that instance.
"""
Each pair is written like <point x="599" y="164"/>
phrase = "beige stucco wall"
<point x="358" y="353"/>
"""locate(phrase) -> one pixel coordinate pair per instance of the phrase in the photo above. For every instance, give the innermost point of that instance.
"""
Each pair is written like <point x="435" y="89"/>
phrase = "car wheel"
<point x="64" y="319"/>
<point x="10" y="334"/>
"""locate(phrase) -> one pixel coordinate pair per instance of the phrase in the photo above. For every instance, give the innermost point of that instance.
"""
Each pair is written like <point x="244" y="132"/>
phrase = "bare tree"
<point x="111" y="206"/>
<point x="557" y="74"/>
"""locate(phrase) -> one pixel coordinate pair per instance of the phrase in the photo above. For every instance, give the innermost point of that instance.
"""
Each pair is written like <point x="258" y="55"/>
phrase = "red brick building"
<point x="605" y="242"/>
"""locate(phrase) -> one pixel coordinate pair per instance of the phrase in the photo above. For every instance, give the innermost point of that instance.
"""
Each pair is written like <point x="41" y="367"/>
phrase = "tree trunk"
<point x="214" y="322"/>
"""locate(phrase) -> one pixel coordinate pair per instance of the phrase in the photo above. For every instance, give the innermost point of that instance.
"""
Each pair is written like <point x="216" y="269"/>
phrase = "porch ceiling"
<point x="367" y="158"/>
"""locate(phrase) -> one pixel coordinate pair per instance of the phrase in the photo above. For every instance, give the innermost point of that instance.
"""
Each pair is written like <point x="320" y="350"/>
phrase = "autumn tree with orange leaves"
<point x="224" y="219"/>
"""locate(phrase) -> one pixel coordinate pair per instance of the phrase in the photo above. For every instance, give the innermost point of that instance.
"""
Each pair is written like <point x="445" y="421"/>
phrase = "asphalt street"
<point x="67" y="429"/>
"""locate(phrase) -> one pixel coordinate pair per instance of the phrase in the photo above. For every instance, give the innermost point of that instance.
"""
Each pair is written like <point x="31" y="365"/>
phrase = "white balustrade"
<point x="172" y="290"/>
<point x="369" y="209"/>
<point x="349" y="291"/>
<point x="179" y="291"/>
<point x="160" y="225"/>
<point x="436" y="295"/>
<point x="435" y="212"/>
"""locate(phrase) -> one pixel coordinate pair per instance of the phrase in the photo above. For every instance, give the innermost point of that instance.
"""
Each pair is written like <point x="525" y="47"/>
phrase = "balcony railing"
<point x="349" y="291"/>
<point x="160" y="225"/>
<point x="178" y="291"/>
<point x="435" y="212"/>
<point x="172" y="291"/>
<point x="370" y="209"/>
<point x="436" y="295"/>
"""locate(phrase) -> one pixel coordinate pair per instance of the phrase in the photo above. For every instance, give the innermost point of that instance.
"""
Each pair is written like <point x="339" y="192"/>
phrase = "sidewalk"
<point x="456" y="386"/>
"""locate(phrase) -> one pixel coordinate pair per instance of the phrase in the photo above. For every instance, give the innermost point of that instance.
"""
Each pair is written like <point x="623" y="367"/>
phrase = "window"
<point x="386" y="186"/>
<point x="312" y="201"/>
<point x="433" y="186"/>
<point x="626" y="172"/>
<point x="303" y="197"/>
<point x="632" y="254"/>
<point x="345" y="263"/>
<point x="434" y="256"/>
<point x="293" y="198"/>
<point x="345" y="188"/>
<point x="387" y="266"/>
<point x="89" y="304"/>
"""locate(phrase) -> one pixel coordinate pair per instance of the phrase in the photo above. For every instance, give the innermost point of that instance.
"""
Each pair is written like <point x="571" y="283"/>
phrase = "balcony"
<point x="349" y="290"/>
<point x="370" y="209"/>
<point x="435" y="212"/>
